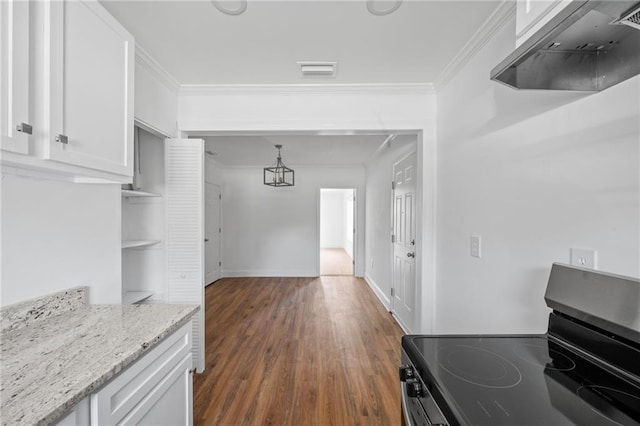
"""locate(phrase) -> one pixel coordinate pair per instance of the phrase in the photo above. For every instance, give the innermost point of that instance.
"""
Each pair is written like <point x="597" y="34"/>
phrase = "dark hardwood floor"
<point x="298" y="351"/>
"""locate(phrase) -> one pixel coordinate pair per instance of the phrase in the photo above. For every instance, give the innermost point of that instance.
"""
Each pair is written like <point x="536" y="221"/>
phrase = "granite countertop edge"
<point x="34" y="327"/>
<point x="56" y="414"/>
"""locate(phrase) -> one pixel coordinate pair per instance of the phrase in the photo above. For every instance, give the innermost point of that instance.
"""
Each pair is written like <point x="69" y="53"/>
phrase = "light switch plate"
<point x="475" y="247"/>
<point x="586" y="258"/>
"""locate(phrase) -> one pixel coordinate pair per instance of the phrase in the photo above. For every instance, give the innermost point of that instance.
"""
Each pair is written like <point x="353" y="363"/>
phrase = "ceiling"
<point x="297" y="150"/>
<point x="197" y="44"/>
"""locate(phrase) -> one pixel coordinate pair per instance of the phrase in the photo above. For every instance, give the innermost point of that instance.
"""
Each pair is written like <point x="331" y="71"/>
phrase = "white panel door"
<point x="404" y="246"/>
<point x="90" y="60"/>
<point x="14" y="76"/>
<point x="212" y="231"/>
<point x="184" y="174"/>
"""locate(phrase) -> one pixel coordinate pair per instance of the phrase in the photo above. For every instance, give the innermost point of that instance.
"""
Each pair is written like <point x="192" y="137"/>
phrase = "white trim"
<point x="505" y="11"/>
<point x="386" y="302"/>
<point x="305" y="89"/>
<point x="150" y="128"/>
<point x="305" y="273"/>
<point x="293" y="166"/>
<point x="161" y="75"/>
<point x="402" y="325"/>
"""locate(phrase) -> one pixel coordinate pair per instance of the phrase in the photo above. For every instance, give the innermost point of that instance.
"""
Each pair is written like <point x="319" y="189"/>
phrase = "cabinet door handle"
<point x="62" y="139"/>
<point x="25" y="128"/>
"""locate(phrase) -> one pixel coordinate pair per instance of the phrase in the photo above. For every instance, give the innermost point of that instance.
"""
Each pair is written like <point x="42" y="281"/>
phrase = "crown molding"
<point x="162" y="75"/>
<point x="500" y="16"/>
<point x="305" y="89"/>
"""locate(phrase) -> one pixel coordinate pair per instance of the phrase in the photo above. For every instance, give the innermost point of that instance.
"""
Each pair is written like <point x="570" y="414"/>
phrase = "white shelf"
<point x="127" y="193"/>
<point x="138" y="243"/>
<point x="131" y="297"/>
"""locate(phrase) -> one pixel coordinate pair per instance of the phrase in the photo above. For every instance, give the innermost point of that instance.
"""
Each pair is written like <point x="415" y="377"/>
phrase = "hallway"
<point x="293" y="351"/>
<point x="335" y="261"/>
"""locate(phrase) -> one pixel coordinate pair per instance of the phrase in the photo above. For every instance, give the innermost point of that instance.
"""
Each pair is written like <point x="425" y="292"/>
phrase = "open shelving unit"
<point x="143" y="224"/>
<point x="138" y="243"/>
<point x="128" y="193"/>
<point x="131" y="297"/>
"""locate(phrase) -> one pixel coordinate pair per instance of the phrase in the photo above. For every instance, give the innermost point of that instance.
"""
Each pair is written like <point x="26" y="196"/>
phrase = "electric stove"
<point x="585" y="370"/>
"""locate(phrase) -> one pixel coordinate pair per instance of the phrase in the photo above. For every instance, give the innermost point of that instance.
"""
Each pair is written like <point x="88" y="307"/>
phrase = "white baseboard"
<point x="386" y="302"/>
<point x="401" y="324"/>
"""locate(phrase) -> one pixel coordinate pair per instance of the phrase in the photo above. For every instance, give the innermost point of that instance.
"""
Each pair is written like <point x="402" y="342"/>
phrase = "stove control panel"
<point x="407" y="372"/>
<point x="414" y="389"/>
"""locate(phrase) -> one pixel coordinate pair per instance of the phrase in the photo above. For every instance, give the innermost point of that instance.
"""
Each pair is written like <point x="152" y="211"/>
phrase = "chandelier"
<point x="278" y="174"/>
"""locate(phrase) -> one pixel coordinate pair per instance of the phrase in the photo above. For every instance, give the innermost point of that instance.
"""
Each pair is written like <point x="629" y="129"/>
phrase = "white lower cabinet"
<point x="79" y="416"/>
<point x="155" y="390"/>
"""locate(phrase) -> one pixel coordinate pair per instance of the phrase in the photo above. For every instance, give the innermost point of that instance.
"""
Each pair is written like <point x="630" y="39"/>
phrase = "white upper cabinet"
<point x="531" y="15"/>
<point x="15" y="123"/>
<point x="89" y="87"/>
<point x="68" y="78"/>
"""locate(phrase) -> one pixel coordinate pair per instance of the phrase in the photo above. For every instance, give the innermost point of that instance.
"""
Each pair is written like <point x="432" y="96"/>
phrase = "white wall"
<point x="332" y="220"/>
<point x="348" y="220"/>
<point x="57" y="235"/>
<point x="274" y="231"/>
<point x="378" y="247"/>
<point x="534" y="173"/>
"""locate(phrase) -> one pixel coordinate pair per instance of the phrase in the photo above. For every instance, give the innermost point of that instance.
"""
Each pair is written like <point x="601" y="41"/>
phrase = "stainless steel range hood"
<point x="589" y="46"/>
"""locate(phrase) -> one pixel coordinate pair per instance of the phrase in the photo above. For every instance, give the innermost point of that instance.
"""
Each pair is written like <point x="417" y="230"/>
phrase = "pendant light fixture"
<point x="278" y="174"/>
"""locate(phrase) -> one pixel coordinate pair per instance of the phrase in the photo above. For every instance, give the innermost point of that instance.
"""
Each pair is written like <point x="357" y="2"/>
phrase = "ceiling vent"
<point x="318" y="69"/>
<point x="631" y="18"/>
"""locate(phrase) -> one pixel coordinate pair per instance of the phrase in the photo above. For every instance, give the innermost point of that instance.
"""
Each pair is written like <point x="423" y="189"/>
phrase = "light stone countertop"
<point x="49" y="366"/>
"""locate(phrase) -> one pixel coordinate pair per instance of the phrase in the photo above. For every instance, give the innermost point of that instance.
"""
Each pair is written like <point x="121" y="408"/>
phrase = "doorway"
<point x="404" y="288"/>
<point x="212" y="231"/>
<point x="337" y="231"/>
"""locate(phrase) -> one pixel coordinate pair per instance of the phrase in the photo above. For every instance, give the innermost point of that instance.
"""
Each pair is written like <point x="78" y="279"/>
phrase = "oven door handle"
<point x="405" y="404"/>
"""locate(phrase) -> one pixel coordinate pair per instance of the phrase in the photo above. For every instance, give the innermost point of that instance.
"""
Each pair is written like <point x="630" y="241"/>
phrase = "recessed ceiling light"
<point x="236" y="7"/>
<point x="383" y="7"/>
<point x="318" y="69"/>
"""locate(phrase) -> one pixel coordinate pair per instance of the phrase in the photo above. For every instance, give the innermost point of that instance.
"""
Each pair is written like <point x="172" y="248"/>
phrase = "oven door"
<point x="418" y="406"/>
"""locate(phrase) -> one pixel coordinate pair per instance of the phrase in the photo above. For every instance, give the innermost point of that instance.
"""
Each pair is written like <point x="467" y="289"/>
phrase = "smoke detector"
<point x="318" y="69"/>
<point x="383" y="7"/>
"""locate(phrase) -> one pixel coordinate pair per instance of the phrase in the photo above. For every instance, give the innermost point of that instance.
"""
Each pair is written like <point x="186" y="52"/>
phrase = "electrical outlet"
<point x="371" y="262"/>
<point x="475" y="248"/>
<point x="587" y="258"/>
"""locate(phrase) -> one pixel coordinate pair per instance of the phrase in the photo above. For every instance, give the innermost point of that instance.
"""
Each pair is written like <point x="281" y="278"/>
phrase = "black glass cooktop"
<point x="520" y="380"/>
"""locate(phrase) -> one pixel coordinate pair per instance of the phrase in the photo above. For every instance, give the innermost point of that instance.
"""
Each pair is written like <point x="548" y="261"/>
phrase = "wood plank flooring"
<point x="335" y="261"/>
<point x="298" y="351"/>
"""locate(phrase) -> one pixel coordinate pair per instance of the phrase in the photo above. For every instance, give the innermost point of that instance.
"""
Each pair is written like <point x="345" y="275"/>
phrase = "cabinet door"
<point x="14" y="75"/>
<point x="89" y="84"/>
<point x="135" y="391"/>
<point x="170" y="403"/>
<point x="78" y="416"/>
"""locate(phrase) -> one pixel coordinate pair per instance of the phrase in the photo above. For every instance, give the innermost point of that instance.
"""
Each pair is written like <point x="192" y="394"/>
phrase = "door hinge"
<point x="219" y="263"/>
<point x="393" y="238"/>
<point x="219" y="230"/>
<point x="393" y="185"/>
<point x="391" y="291"/>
